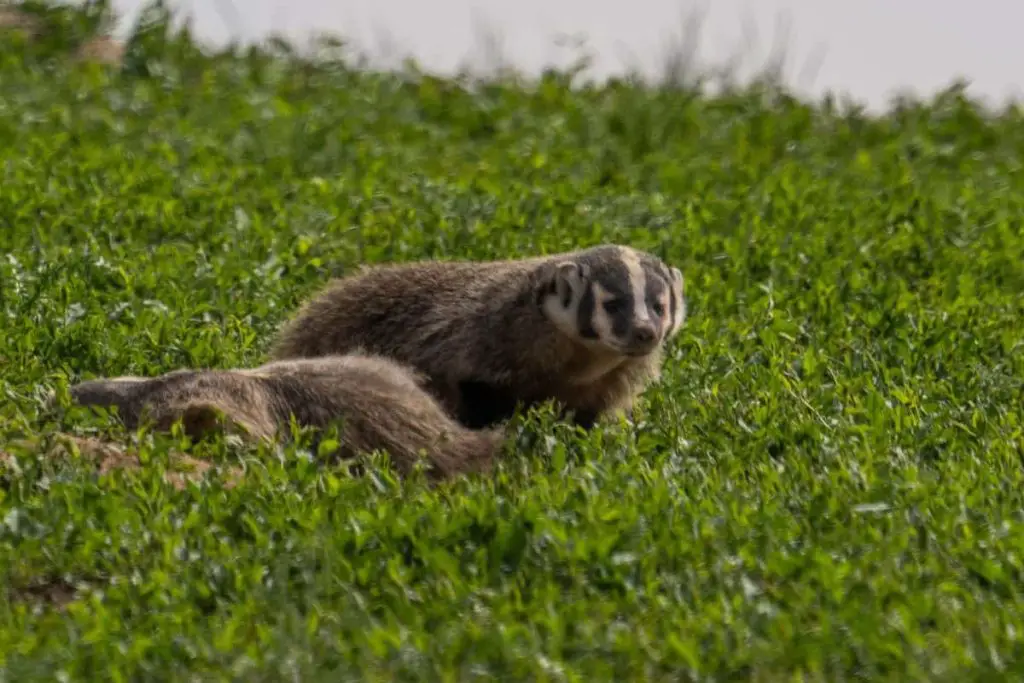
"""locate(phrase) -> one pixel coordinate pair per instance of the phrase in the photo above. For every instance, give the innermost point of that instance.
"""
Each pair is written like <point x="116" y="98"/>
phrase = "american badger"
<point x="376" y="403"/>
<point x="585" y="328"/>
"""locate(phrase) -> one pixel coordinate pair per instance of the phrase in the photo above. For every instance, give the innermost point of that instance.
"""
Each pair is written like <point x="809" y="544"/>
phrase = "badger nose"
<point x="643" y="335"/>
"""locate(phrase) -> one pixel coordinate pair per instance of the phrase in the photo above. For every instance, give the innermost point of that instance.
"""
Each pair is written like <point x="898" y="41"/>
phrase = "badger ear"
<point x="677" y="275"/>
<point x="569" y="279"/>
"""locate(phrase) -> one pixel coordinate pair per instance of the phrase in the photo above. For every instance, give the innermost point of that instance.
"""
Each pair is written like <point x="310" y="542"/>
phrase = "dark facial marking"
<point x="613" y="306"/>
<point x="585" y="314"/>
<point x="567" y="298"/>
<point x="622" y="318"/>
<point x="653" y="290"/>
<point x="660" y="278"/>
<point x="613" y="276"/>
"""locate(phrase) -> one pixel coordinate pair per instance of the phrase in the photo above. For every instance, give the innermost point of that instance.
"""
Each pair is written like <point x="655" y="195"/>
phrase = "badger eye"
<point x="613" y="306"/>
<point x="658" y="308"/>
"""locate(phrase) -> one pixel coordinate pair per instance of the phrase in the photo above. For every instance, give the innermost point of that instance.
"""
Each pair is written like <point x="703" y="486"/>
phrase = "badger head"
<point x="614" y="298"/>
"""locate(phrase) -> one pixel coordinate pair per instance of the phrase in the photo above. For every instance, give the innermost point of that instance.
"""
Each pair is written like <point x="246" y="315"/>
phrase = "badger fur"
<point x="585" y="328"/>
<point x="376" y="403"/>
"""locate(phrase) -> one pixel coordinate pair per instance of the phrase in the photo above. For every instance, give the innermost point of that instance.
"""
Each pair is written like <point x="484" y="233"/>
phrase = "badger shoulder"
<point x="377" y="405"/>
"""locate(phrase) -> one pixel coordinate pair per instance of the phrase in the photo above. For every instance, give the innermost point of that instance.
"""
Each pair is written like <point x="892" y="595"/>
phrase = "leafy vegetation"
<point x="826" y="485"/>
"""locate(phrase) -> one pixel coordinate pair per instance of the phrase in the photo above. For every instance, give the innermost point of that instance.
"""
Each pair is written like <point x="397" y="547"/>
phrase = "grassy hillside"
<point x="826" y="486"/>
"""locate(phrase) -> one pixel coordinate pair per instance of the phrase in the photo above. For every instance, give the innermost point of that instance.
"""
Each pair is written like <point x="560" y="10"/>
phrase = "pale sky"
<point x="867" y="48"/>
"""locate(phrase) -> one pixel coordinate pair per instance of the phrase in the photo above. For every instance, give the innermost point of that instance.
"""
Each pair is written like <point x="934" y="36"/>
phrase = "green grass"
<point x="826" y="486"/>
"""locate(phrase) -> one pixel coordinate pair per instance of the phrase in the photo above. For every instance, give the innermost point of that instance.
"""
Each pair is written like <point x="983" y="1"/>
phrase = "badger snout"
<point x="642" y="339"/>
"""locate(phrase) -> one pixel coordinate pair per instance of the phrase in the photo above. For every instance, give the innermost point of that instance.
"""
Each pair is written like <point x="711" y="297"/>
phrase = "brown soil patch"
<point x="11" y="18"/>
<point x="98" y="49"/>
<point x="54" y="592"/>
<point x="109" y="456"/>
<point x="102" y="50"/>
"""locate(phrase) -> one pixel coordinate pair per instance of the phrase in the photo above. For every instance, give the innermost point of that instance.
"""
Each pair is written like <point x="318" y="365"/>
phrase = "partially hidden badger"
<point x="586" y="328"/>
<point x="376" y="403"/>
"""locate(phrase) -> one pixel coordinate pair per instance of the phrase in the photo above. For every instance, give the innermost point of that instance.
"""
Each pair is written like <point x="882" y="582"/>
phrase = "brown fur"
<point x="376" y="403"/>
<point x="477" y="331"/>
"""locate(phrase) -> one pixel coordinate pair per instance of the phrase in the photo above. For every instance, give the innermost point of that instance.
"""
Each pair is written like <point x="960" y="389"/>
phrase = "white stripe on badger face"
<point x="638" y="287"/>
<point x="565" y="317"/>
<point x="679" y="289"/>
<point x="599" y="319"/>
